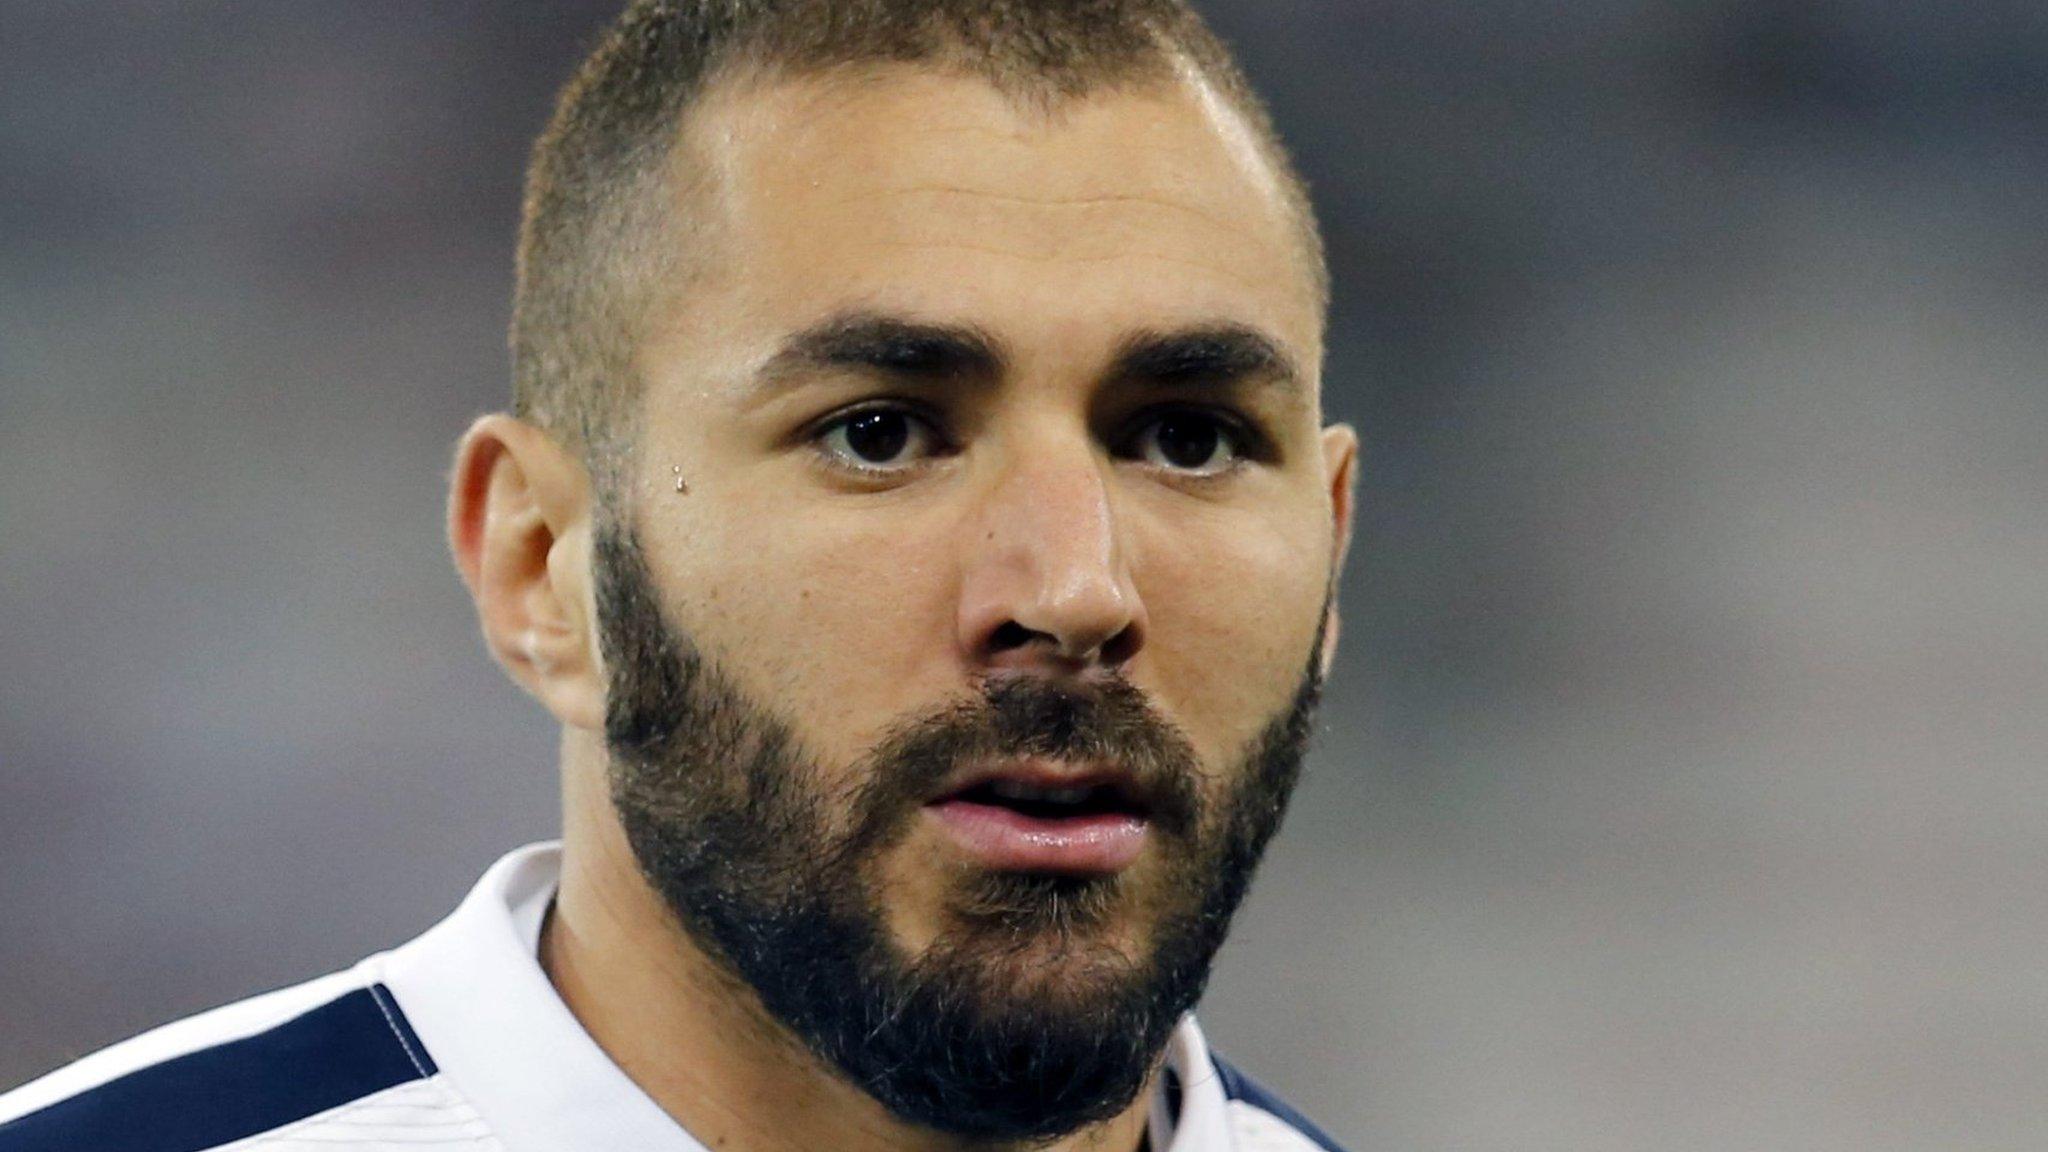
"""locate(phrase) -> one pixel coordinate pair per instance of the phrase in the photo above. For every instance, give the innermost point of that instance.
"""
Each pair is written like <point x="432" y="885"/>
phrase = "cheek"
<point x="837" y="622"/>
<point x="1233" y="611"/>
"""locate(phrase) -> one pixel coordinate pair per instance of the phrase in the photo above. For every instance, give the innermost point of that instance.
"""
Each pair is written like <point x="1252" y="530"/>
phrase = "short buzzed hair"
<point x="594" y="251"/>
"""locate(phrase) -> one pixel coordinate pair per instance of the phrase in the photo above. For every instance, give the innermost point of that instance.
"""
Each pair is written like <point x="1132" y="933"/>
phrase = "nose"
<point x="1046" y="579"/>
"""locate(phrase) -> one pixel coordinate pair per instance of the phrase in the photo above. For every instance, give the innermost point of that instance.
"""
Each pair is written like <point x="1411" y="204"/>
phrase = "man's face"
<point x="963" y="687"/>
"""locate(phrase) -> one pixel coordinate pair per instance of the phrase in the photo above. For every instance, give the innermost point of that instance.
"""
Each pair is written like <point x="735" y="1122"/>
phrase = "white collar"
<point x="473" y="989"/>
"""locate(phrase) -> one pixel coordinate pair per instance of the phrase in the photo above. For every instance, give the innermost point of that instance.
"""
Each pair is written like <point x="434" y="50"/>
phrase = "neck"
<point x="696" y="1040"/>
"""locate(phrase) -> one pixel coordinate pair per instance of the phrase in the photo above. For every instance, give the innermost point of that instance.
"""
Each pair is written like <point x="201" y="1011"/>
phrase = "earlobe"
<point x="1326" y="657"/>
<point x="518" y="515"/>
<point x="1340" y="467"/>
<point x="1340" y="462"/>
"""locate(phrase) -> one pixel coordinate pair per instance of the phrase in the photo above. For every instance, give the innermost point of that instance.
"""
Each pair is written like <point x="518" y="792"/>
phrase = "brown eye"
<point x="1193" y="442"/>
<point x="876" y="437"/>
<point x="878" y="440"/>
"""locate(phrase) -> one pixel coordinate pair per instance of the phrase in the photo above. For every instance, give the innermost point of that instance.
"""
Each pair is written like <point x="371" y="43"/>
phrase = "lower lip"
<point x="1004" y="839"/>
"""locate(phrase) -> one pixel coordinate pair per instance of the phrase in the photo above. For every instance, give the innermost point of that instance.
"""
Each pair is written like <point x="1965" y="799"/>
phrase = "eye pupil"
<point x="1187" y="441"/>
<point x="878" y="437"/>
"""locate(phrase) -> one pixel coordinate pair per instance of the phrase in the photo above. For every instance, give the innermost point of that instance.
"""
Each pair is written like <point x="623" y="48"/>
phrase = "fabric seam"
<point x="391" y="1022"/>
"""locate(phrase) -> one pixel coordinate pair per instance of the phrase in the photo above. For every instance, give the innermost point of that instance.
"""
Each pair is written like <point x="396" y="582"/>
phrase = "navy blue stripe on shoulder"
<point x="1238" y="1086"/>
<point x="347" y="1048"/>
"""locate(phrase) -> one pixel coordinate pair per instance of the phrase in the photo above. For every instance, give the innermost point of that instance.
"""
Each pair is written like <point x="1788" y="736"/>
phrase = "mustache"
<point x="1110" y="721"/>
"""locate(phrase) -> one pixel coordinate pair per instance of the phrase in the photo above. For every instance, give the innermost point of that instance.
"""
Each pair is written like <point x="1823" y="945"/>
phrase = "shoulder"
<point x="254" y="1068"/>
<point x="1261" y="1121"/>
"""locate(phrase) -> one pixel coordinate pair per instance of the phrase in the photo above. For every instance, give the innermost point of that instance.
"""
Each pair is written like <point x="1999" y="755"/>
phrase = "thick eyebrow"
<point x="1208" y="355"/>
<point x="1214" y="355"/>
<point x="882" y="345"/>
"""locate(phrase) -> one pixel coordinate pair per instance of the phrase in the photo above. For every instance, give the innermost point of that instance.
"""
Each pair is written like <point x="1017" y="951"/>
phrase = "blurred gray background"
<point x="1682" y="778"/>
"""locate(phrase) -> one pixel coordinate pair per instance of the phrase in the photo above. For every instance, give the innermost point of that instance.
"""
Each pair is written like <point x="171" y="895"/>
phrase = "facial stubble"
<point x="1028" y="1017"/>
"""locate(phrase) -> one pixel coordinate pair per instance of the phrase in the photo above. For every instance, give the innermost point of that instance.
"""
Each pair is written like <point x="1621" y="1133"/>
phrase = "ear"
<point x="1340" y="464"/>
<point x="519" y="525"/>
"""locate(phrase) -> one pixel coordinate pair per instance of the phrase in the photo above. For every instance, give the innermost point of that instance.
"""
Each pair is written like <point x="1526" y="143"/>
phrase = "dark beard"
<point x="1020" y="1022"/>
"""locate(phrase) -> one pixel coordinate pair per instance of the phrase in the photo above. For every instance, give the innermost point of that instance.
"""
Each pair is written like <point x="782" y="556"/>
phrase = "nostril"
<point x="1011" y="635"/>
<point x="1119" y="649"/>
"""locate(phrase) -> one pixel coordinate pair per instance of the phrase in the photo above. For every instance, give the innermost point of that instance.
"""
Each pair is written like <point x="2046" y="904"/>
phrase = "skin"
<point x="1039" y="538"/>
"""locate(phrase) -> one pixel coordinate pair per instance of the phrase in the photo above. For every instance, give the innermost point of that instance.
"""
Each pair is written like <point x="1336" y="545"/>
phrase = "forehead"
<point x="907" y="189"/>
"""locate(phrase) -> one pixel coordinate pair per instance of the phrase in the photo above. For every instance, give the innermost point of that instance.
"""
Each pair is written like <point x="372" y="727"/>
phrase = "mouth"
<point x="1040" y="816"/>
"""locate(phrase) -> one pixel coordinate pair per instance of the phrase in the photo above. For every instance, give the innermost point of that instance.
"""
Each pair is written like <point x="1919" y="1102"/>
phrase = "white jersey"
<point x="457" y="1040"/>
